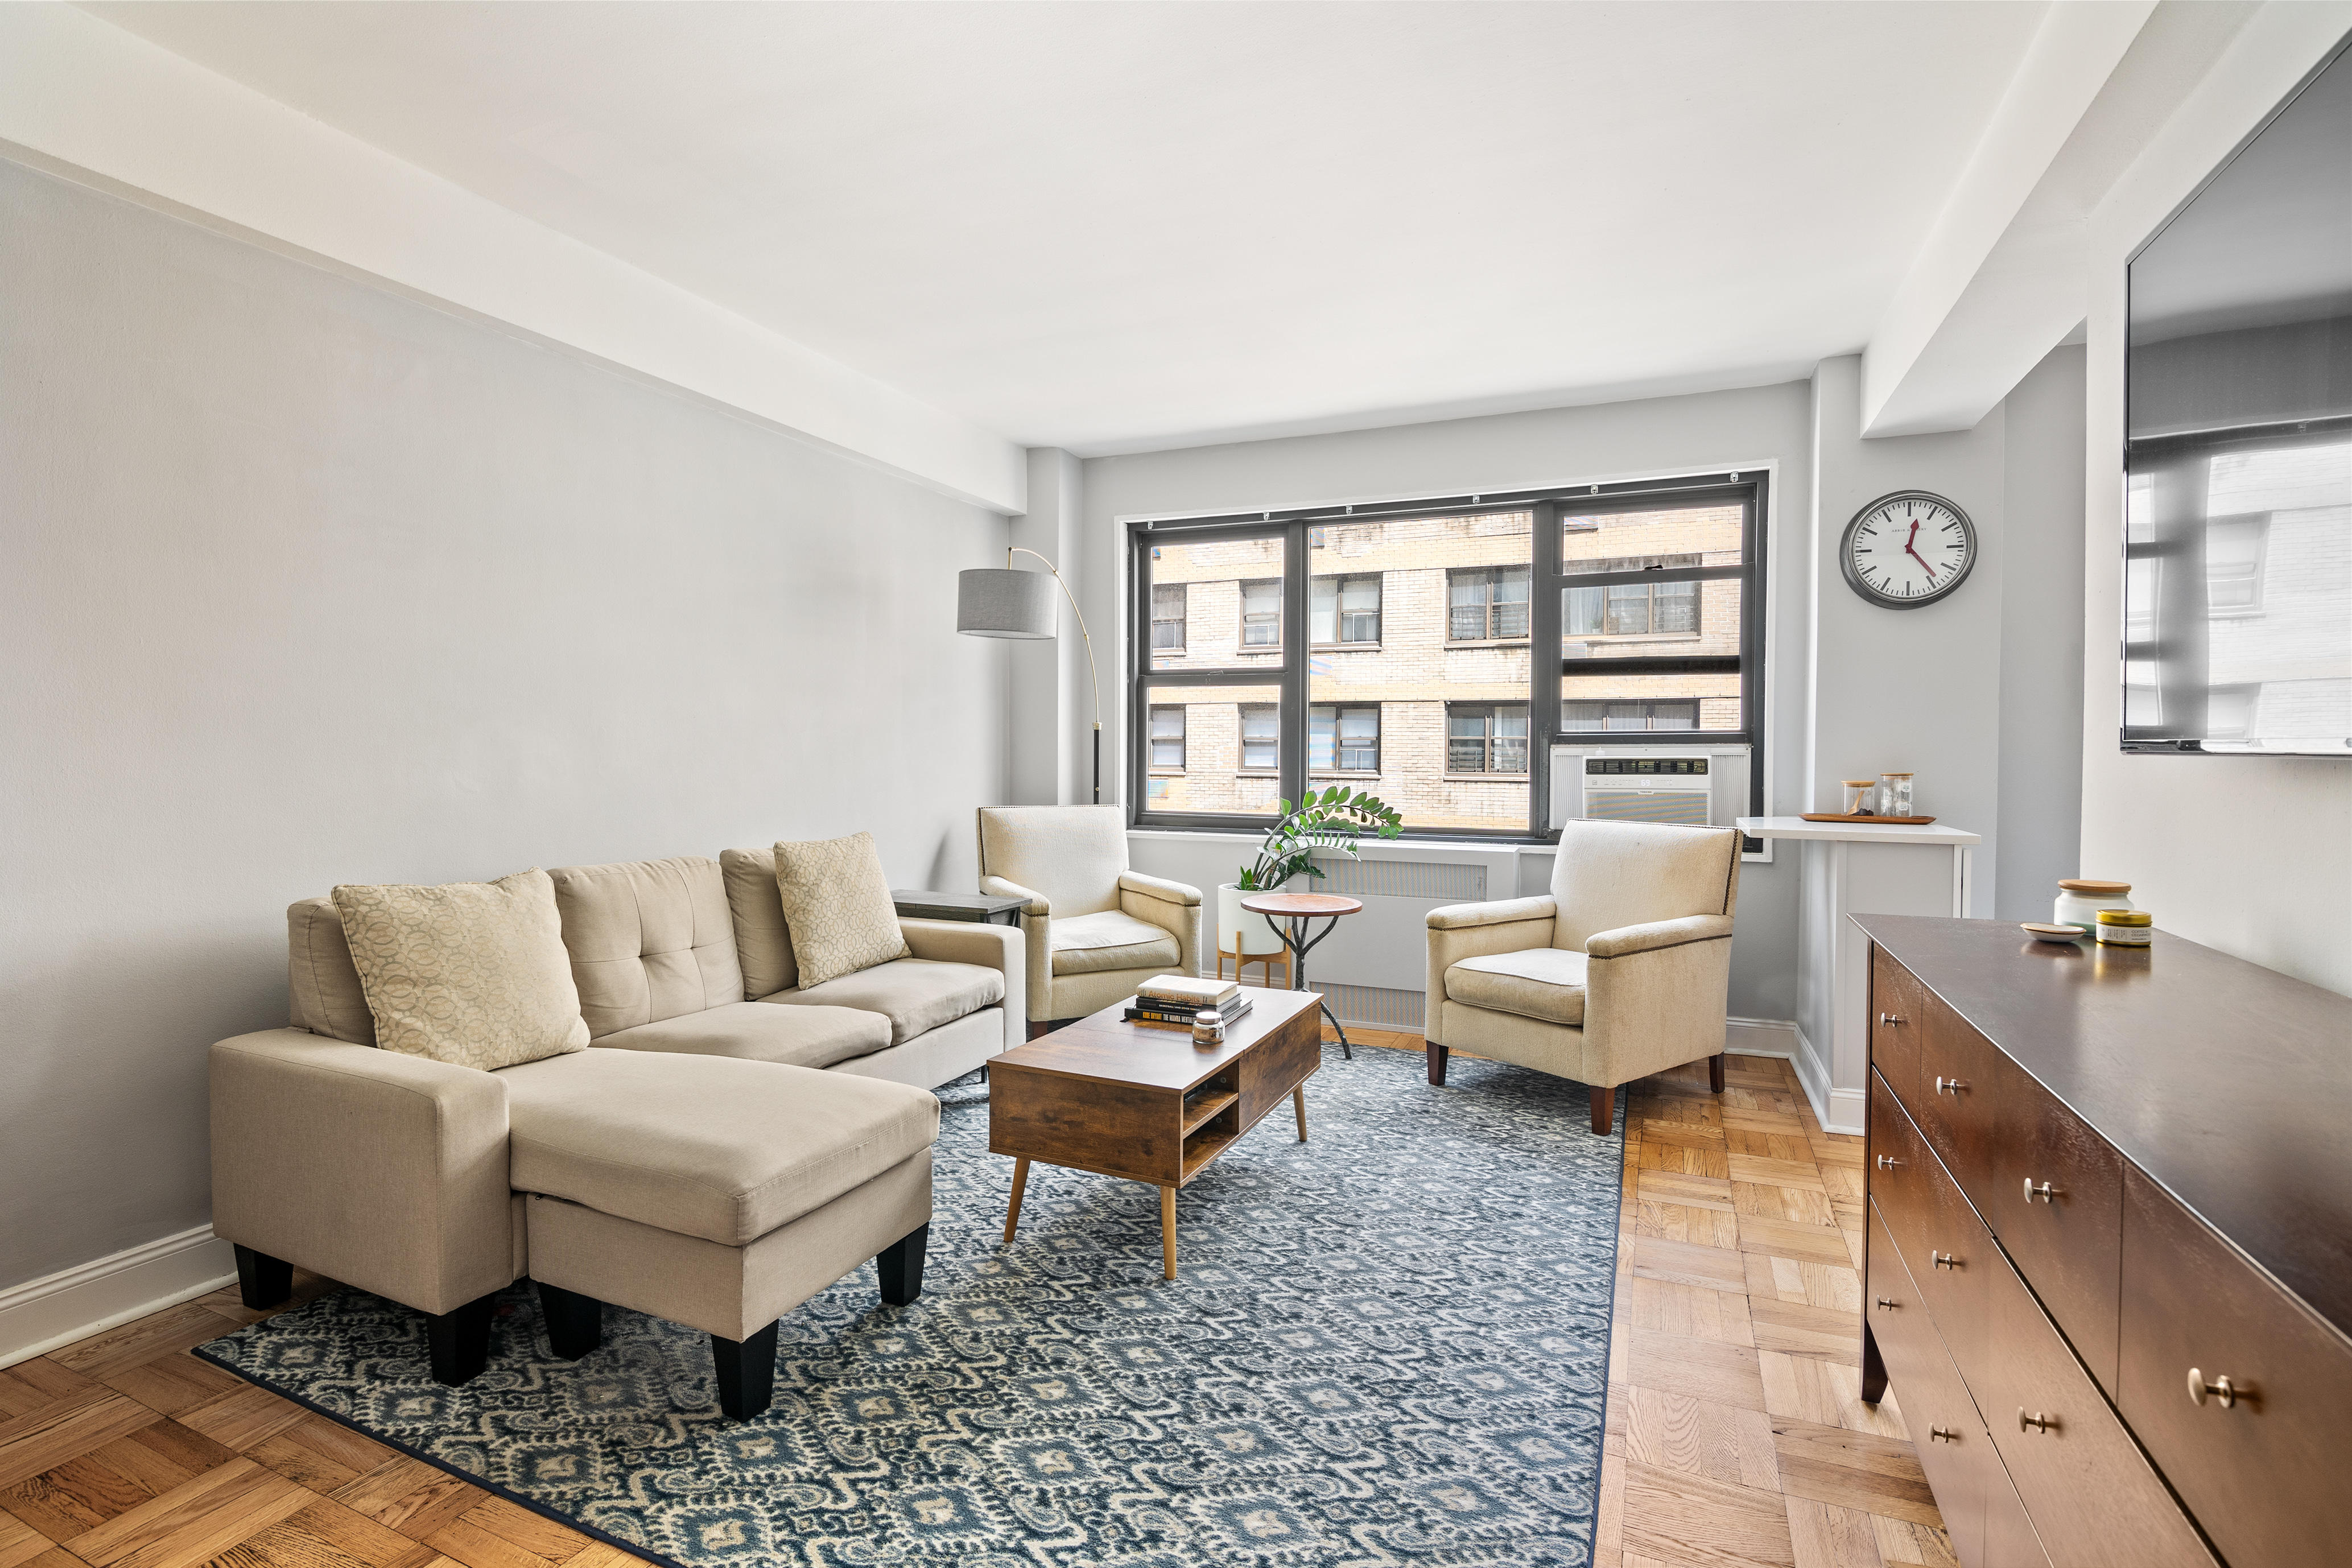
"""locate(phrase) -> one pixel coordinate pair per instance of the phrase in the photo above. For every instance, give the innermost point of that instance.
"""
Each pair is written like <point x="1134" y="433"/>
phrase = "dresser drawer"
<point x="1898" y="1013"/>
<point x="2067" y="1238"/>
<point x="1953" y="1450"/>
<point x="2009" y="1538"/>
<point x="1897" y="1177"/>
<point x="2093" y="1497"/>
<point x="1959" y="1098"/>
<point x="2265" y="1474"/>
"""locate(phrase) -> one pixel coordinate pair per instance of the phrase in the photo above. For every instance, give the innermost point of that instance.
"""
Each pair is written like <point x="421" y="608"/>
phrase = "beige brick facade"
<point x="1415" y="673"/>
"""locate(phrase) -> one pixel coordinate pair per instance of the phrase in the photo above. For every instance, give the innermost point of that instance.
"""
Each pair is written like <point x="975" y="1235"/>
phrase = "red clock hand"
<point x="1915" y="555"/>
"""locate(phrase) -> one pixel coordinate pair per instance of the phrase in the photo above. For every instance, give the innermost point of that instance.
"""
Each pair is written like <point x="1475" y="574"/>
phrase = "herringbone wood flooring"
<point x="1735" y="1434"/>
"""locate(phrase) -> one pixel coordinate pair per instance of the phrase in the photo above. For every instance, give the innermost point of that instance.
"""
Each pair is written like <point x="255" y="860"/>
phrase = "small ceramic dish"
<point x="2042" y="932"/>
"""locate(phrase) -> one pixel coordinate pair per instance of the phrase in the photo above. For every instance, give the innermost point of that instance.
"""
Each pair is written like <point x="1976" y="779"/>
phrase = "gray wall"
<point x="2041" y="640"/>
<point x="309" y="583"/>
<point x="1620" y="440"/>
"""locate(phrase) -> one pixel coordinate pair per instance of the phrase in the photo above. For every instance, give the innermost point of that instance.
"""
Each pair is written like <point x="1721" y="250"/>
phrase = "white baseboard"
<point x="1837" y="1109"/>
<point x="1760" y="1038"/>
<point x="39" y="1315"/>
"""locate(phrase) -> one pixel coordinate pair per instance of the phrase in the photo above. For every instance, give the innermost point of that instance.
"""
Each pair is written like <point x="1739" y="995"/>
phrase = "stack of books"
<point x="1177" y="999"/>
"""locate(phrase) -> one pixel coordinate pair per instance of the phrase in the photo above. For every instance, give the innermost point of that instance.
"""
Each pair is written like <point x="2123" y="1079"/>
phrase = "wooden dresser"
<point x="2110" y="1246"/>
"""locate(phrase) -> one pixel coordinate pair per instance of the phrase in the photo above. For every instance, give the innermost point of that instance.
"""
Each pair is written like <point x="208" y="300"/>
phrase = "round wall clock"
<point x="1908" y="548"/>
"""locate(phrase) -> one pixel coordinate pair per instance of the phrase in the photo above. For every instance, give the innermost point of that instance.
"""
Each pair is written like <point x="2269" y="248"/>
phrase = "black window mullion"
<point x="1543" y="665"/>
<point x="1297" y="607"/>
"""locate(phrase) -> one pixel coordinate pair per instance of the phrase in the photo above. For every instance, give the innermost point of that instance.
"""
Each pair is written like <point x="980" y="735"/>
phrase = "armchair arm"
<point x="1156" y="888"/>
<point x="384" y="1171"/>
<point x="1457" y="931"/>
<point x="1457" y="917"/>
<point x="1037" y="927"/>
<point x="1171" y="905"/>
<point x="1652" y="935"/>
<point x="996" y="947"/>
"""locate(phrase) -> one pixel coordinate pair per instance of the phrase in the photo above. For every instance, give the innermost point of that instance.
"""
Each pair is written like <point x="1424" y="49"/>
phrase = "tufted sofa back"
<point x="649" y="940"/>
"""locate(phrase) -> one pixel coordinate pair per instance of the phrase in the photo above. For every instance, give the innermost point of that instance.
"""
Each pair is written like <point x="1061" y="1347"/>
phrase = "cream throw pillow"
<point x="474" y="974"/>
<point x="838" y="907"/>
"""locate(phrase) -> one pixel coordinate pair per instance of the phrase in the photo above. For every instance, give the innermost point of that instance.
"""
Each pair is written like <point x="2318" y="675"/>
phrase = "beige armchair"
<point x="1095" y="929"/>
<point x="1622" y="970"/>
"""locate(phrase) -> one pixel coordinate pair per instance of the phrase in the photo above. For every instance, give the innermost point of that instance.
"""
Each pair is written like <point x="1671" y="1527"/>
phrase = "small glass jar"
<point x="2125" y="928"/>
<point x="1857" y="796"/>
<point x="1208" y="1029"/>
<point x="2080" y="900"/>
<point x="1895" y="795"/>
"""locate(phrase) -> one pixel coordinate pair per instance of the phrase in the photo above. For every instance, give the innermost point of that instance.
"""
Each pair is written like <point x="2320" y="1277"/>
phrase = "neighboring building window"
<point x="1633" y="609"/>
<point x="1588" y="715"/>
<point x="1487" y="604"/>
<point x="2233" y="567"/>
<point x="1168" y="736"/>
<point x="1262" y="613"/>
<point x="1261" y="737"/>
<point x="1347" y="610"/>
<point x="1343" y="739"/>
<point x="1167" y="616"/>
<point x="1485" y="737"/>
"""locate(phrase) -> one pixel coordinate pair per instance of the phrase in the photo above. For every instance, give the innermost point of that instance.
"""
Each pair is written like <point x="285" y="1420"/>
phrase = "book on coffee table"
<point x="1144" y="1010"/>
<point x="1188" y="991"/>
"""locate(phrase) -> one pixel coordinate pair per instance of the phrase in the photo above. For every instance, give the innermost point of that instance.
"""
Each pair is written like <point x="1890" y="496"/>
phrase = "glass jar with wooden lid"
<point x="2080" y="900"/>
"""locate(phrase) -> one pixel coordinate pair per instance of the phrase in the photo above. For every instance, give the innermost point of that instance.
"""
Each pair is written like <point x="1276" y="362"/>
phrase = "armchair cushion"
<point x="1614" y="874"/>
<point x="1072" y="854"/>
<point x="1541" y="983"/>
<point x="1087" y="944"/>
<point x="914" y="993"/>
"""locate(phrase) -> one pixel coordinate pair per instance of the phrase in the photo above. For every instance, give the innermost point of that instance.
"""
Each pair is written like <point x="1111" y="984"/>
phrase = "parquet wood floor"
<point x="1735" y="1435"/>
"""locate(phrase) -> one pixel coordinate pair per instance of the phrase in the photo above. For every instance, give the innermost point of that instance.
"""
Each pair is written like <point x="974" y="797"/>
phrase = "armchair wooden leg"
<point x="1715" y="1072"/>
<point x="262" y="1281"/>
<point x="1437" y="1055"/>
<point x="901" y="1264"/>
<point x="460" y="1341"/>
<point x="1037" y="1027"/>
<point x="1604" y="1108"/>
<point x="576" y="1323"/>
<point x="747" y="1373"/>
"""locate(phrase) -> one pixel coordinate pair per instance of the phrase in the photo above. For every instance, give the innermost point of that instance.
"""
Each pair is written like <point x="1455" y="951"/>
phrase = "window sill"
<point x="1163" y="773"/>
<point x="1483" y="778"/>
<point x="1486" y="642"/>
<point x="1343" y="773"/>
<point x="1345" y="648"/>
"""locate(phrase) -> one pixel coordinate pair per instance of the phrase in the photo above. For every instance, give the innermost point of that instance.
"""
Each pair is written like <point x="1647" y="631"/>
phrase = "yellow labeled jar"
<point x="2125" y="928"/>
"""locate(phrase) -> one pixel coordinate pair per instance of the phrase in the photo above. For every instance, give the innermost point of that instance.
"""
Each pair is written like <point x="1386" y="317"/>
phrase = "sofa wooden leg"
<point x="1604" y="1108"/>
<point x="576" y="1323"/>
<point x="460" y="1341"/>
<point x="263" y="1281"/>
<point x="1437" y="1055"/>
<point x="900" y="1264"/>
<point x="1715" y="1072"/>
<point x="747" y="1373"/>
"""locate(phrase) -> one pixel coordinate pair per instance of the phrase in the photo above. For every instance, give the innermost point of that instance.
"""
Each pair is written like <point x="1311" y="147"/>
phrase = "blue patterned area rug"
<point x="1388" y="1346"/>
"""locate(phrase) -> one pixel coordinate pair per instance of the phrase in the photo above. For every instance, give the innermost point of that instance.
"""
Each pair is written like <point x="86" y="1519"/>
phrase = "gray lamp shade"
<point x="994" y="602"/>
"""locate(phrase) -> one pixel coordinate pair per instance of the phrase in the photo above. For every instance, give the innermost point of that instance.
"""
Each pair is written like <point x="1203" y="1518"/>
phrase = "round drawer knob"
<point x="2217" y="1387"/>
<point x="1886" y="1306"/>
<point x="1945" y="1259"/>
<point x="2045" y="1192"/>
<point x="1942" y="1435"/>
<point x="2037" y="1422"/>
<point x="1951" y="1086"/>
<point x="1889" y="1163"/>
<point x="1890" y="1019"/>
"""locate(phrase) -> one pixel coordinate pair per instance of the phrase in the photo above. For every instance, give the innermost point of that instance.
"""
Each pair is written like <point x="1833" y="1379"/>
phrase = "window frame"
<point x="1241" y="591"/>
<point x="1490" y="710"/>
<point x="1493" y="637"/>
<point x="1551" y="676"/>
<point x="1340" y="581"/>
<point x="1338" y="710"/>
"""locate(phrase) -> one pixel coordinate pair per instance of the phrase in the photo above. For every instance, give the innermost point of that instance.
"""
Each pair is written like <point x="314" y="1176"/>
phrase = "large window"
<point x="1347" y="610"/>
<point x="1447" y="645"/>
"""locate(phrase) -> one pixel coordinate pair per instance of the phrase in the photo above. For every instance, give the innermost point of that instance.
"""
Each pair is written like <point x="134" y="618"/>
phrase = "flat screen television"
<point x="2238" y="511"/>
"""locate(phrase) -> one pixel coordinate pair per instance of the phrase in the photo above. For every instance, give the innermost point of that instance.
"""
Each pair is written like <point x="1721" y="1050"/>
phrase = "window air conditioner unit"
<point x="1693" y="786"/>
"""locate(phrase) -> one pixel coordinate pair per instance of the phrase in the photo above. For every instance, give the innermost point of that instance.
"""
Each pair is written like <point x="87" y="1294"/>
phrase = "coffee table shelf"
<point x="1208" y="1109"/>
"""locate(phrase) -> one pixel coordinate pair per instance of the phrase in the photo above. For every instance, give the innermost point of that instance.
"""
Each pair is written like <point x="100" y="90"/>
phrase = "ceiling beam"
<point x="1969" y="308"/>
<point x="82" y="98"/>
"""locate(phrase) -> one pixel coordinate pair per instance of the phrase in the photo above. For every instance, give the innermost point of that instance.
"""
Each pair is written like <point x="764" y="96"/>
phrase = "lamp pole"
<point x="1093" y="675"/>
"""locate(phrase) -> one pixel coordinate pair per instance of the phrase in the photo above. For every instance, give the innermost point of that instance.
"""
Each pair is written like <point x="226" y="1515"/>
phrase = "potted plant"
<point x="1332" y="819"/>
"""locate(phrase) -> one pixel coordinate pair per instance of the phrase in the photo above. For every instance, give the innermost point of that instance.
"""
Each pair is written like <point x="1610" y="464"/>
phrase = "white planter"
<point x="1238" y="931"/>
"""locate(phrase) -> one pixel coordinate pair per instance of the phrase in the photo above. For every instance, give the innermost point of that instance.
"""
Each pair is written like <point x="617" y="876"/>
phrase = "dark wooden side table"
<point x="1295" y="910"/>
<point x="980" y="907"/>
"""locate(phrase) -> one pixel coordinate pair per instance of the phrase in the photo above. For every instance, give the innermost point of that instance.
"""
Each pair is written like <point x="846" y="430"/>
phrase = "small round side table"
<point x="1296" y="910"/>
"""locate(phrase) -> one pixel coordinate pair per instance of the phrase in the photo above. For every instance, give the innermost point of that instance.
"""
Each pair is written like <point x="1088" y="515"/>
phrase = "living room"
<point x="645" y="449"/>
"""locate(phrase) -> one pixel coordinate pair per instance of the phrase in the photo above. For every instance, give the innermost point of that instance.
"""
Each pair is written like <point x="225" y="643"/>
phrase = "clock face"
<point x="1908" y="549"/>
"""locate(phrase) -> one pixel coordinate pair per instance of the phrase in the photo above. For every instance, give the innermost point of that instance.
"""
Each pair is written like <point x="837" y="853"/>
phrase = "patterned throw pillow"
<point x="838" y="907"/>
<point x="473" y="974"/>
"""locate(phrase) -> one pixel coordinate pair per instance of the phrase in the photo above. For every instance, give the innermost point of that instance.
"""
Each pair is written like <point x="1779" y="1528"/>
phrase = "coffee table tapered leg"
<point x="1020" y="1179"/>
<point x="1298" y="1104"/>
<point x="1168" y="1232"/>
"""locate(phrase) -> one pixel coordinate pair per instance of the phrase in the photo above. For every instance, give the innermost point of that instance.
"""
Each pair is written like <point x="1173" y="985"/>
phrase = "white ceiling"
<point x="1111" y="227"/>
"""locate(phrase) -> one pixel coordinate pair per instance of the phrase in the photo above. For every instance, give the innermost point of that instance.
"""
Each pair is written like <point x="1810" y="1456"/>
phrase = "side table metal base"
<point x="1296" y="939"/>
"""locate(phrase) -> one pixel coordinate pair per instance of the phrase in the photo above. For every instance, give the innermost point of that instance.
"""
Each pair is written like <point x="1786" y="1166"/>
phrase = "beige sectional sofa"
<point x="729" y="1143"/>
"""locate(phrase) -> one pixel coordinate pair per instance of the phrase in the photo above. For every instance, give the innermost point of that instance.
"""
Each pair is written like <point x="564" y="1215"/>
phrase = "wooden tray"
<point x="1892" y="821"/>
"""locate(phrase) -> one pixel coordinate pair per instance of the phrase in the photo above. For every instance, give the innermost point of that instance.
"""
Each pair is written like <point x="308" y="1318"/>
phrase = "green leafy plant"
<point x="1333" y="819"/>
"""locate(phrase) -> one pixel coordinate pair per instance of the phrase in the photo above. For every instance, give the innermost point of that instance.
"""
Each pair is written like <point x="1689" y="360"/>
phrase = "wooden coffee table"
<point x="1144" y="1102"/>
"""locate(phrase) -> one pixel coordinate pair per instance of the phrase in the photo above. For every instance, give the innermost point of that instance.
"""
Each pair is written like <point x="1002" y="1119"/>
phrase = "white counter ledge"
<point x="1933" y="833"/>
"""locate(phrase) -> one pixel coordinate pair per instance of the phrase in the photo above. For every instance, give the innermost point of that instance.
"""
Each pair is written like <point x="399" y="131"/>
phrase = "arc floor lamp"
<point x="999" y="601"/>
